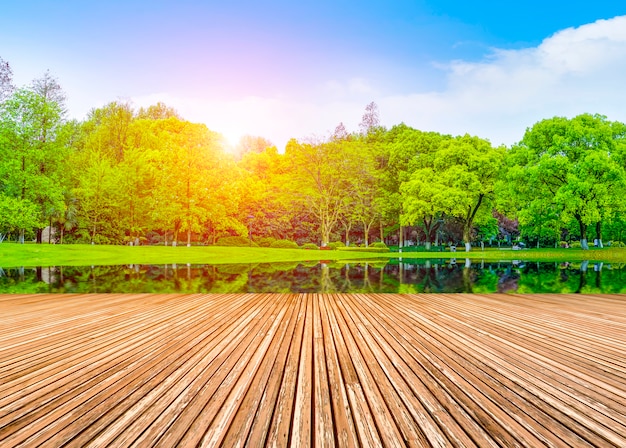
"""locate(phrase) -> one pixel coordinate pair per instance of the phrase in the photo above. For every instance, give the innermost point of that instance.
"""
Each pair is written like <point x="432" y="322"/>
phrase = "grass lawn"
<point x="30" y="255"/>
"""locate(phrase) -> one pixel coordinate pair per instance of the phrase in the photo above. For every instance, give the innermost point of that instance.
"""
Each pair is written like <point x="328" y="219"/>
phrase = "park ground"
<point x="28" y="255"/>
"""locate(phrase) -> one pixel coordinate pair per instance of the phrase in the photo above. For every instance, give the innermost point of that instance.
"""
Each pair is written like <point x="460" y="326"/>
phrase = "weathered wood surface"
<point x="312" y="370"/>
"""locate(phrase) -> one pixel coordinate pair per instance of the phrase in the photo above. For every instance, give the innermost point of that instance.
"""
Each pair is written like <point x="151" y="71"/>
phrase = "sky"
<point x="284" y="69"/>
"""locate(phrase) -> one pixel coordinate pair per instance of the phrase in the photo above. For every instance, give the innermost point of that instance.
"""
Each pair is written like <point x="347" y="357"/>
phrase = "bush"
<point x="575" y="244"/>
<point x="336" y="244"/>
<point x="284" y="244"/>
<point x="310" y="246"/>
<point x="265" y="242"/>
<point x="563" y="244"/>
<point x="616" y="244"/>
<point x="365" y="249"/>
<point x="235" y="241"/>
<point x="379" y="244"/>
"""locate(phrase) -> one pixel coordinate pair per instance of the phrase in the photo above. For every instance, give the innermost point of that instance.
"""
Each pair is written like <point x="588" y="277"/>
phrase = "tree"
<point x="16" y="215"/>
<point x="319" y="180"/>
<point x="406" y="151"/>
<point x="106" y="129"/>
<point x="32" y="154"/>
<point x="6" y="80"/>
<point x="459" y="181"/>
<point x="573" y="166"/>
<point x="252" y="144"/>
<point x="370" y="120"/>
<point x="362" y="184"/>
<point x="340" y="133"/>
<point x="189" y="177"/>
<point x="98" y="197"/>
<point x="159" y="111"/>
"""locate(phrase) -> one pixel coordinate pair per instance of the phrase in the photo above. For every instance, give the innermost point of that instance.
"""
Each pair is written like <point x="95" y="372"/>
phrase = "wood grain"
<point x="426" y="370"/>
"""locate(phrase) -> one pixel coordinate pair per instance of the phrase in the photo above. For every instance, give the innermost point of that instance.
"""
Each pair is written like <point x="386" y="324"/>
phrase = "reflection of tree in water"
<point x="420" y="276"/>
<point x="432" y="276"/>
<point x="508" y="281"/>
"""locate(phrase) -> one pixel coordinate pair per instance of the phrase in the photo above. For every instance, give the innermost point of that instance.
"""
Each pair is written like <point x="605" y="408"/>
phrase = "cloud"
<point x="574" y="71"/>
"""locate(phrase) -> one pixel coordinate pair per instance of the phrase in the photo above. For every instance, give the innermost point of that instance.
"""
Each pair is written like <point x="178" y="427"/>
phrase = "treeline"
<point x="126" y="175"/>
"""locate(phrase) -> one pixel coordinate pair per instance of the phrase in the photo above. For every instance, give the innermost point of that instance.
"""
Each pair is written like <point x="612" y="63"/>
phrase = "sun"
<point x="232" y="140"/>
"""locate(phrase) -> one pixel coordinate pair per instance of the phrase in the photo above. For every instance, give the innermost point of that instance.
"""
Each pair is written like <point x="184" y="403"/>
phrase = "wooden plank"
<point x="313" y="370"/>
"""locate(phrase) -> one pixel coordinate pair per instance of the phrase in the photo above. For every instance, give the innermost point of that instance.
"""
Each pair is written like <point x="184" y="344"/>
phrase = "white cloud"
<point x="576" y="70"/>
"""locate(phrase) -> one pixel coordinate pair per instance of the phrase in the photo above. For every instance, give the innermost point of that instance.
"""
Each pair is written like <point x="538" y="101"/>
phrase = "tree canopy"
<point x="134" y="176"/>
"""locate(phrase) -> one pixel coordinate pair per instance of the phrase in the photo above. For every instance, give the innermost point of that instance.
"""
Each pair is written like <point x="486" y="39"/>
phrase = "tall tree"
<point x="33" y="156"/>
<point x="6" y="80"/>
<point x="370" y="120"/>
<point x="406" y="151"/>
<point x="459" y="180"/>
<point x="320" y="181"/>
<point x="574" y="165"/>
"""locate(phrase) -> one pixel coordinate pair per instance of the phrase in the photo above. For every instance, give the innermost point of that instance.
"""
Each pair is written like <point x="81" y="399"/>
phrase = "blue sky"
<point x="284" y="69"/>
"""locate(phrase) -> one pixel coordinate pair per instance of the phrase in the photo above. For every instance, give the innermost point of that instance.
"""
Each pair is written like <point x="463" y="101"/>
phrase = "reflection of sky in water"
<point x="454" y="275"/>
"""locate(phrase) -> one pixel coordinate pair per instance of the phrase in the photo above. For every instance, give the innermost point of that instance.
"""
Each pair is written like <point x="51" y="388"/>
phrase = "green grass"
<point x="30" y="255"/>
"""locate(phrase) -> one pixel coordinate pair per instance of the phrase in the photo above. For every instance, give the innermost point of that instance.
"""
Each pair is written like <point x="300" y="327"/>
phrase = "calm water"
<point x="417" y="276"/>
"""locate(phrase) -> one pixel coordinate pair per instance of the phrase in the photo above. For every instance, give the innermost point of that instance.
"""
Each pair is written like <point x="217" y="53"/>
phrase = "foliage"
<point x="235" y="241"/>
<point x="284" y="244"/>
<point x="364" y="249"/>
<point x="265" y="242"/>
<point x="569" y="170"/>
<point x="309" y="246"/>
<point x="124" y="175"/>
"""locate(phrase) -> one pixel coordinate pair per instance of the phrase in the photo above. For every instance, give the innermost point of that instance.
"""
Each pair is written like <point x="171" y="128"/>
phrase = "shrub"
<point x="284" y="244"/>
<point x="236" y="241"/>
<point x="379" y="244"/>
<point x="365" y="249"/>
<point x="310" y="246"/>
<point x="575" y="244"/>
<point x="336" y="244"/>
<point x="616" y="244"/>
<point x="563" y="244"/>
<point x="266" y="242"/>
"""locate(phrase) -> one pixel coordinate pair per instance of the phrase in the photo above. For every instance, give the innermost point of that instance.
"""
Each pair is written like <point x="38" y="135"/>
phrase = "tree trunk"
<point x="599" y="233"/>
<point x="583" y="276"/>
<point x="467" y="278"/>
<point x="39" y="235"/>
<point x="382" y="236"/>
<point x="325" y="235"/>
<point x="366" y="231"/>
<point x="583" y="234"/>
<point x="188" y="237"/>
<point x="466" y="238"/>
<point x="401" y="240"/>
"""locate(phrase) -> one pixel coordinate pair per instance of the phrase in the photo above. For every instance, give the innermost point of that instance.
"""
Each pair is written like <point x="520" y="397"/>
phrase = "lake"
<point x="395" y="276"/>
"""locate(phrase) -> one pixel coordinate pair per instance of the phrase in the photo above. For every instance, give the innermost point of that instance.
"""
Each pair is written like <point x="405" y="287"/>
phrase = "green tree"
<point x="572" y="166"/>
<point x="404" y="151"/>
<point x="16" y="215"/>
<point x="33" y="157"/>
<point x="459" y="182"/>
<point x="320" y="180"/>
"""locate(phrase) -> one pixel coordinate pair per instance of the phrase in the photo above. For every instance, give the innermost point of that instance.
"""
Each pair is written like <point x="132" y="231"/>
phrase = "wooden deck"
<point x="313" y="370"/>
